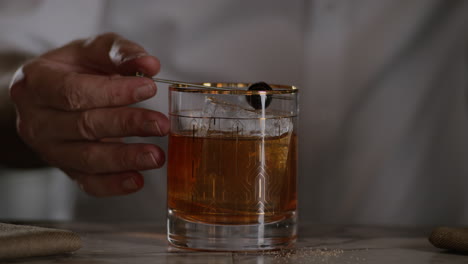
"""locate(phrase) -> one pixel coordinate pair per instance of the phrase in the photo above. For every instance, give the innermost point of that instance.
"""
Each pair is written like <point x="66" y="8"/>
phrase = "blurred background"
<point x="383" y="124"/>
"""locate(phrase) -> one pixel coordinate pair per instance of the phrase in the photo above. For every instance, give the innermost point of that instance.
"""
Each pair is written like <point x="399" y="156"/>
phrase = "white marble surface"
<point x="146" y="243"/>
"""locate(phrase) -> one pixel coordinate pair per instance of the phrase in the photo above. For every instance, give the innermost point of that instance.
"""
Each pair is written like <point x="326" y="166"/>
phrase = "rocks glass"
<point x="232" y="167"/>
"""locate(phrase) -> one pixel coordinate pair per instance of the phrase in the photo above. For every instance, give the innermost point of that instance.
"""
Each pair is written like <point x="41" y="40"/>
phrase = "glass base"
<point x="215" y="237"/>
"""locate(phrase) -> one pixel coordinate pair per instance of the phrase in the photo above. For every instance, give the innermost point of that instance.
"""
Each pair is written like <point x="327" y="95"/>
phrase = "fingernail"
<point x="130" y="184"/>
<point x="144" y="92"/>
<point x="152" y="127"/>
<point x="133" y="56"/>
<point x="148" y="160"/>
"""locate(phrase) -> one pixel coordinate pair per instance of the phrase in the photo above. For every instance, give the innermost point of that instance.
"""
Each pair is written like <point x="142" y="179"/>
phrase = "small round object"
<point x="255" y="100"/>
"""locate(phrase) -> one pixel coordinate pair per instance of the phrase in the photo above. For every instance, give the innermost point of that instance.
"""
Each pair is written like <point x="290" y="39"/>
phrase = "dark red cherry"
<point x="255" y="100"/>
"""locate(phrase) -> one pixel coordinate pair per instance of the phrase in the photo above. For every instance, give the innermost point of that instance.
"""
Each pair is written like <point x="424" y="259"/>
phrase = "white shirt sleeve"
<point x="37" y="26"/>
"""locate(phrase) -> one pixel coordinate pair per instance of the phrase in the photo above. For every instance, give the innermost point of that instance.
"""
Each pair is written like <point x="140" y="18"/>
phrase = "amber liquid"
<point x="228" y="179"/>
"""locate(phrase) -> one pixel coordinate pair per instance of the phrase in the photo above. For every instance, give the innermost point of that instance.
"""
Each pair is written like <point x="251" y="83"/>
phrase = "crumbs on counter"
<point x="312" y="255"/>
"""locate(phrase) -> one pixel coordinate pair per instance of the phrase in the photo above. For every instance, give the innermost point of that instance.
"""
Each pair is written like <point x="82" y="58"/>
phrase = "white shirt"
<point x="383" y="126"/>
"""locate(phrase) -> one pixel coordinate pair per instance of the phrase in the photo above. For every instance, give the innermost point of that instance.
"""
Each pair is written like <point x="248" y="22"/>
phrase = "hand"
<point x="72" y="108"/>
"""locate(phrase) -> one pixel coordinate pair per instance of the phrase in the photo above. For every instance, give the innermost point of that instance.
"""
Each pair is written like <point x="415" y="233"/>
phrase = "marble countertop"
<point x="146" y="243"/>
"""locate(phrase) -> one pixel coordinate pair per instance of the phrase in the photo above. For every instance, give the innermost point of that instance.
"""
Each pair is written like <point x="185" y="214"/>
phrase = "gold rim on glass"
<point x="231" y="88"/>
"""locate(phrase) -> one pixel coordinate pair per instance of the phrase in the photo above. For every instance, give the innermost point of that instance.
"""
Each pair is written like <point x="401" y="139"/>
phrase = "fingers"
<point x="118" y="122"/>
<point x="102" y="185"/>
<point x="72" y="91"/>
<point x="100" y="123"/>
<point x="97" y="157"/>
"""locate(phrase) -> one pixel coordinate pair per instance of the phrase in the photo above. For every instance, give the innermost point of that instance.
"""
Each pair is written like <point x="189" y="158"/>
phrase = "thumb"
<point x="108" y="53"/>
